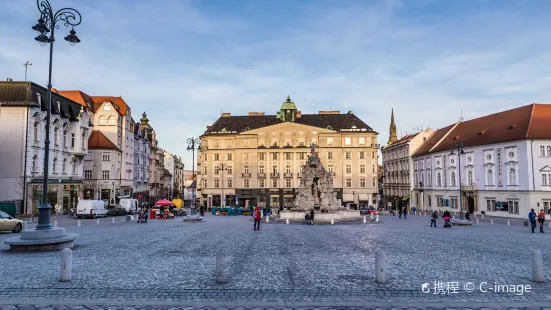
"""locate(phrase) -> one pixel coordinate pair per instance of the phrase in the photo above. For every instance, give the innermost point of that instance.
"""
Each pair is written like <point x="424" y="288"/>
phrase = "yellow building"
<point x="259" y="157"/>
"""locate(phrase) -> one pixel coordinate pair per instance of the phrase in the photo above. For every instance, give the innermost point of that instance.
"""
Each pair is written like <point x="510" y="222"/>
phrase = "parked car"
<point x="91" y="209"/>
<point x="115" y="210"/>
<point x="368" y="210"/>
<point x="373" y="210"/>
<point x="7" y="223"/>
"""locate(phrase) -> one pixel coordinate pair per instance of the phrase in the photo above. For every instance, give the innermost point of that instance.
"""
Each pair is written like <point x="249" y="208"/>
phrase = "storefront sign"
<point x="499" y="176"/>
<point x="56" y="181"/>
<point x="445" y="164"/>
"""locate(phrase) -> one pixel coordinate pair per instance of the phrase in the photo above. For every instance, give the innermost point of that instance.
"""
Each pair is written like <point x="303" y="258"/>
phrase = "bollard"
<point x="508" y="223"/>
<point x="97" y="221"/>
<point x="371" y="215"/>
<point x="453" y="217"/>
<point x="482" y="215"/>
<point x="221" y="273"/>
<point x="79" y="223"/>
<point x="380" y="267"/>
<point x="377" y="218"/>
<point x="425" y="213"/>
<point x="537" y="266"/>
<point x="267" y="219"/>
<point x="286" y="221"/>
<point x="55" y="223"/>
<point x="415" y="213"/>
<point x="113" y="220"/>
<point x="332" y="221"/>
<point x="24" y="226"/>
<point x="549" y="224"/>
<point x="491" y="222"/>
<point x="477" y="221"/>
<point x="66" y="265"/>
<point x="365" y="219"/>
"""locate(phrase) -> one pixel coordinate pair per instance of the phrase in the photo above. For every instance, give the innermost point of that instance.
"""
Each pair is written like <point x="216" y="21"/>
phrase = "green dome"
<point x="288" y="105"/>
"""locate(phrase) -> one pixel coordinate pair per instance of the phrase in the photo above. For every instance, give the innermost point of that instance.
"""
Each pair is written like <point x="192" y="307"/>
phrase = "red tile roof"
<point x="527" y="122"/>
<point x="98" y="140"/>
<point x="77" y="96"/>
<point x="118" y="101"/>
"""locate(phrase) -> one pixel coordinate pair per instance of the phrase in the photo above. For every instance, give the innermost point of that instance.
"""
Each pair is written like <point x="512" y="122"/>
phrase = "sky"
<point x="185" y="62"/>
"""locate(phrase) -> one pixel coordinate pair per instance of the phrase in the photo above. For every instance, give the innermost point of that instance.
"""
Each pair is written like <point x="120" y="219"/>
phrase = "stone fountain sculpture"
<point x="316" y="187"/>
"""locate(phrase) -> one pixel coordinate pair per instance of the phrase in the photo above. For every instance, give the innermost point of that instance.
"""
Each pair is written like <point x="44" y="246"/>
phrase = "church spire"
<point x="392" y="137"/>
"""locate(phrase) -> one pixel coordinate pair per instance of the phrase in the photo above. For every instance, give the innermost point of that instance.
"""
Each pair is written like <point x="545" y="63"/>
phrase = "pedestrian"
<point x="400" y="213"/>
<point x="541" y="219"/>
<point x="202" y="210"/>
<point x="468" y="216"/>
<point x="405" y="211"/>
<point x="312" y="215"/>
<point x="532" y="217"/>
<point x="433" y="218"/>
<point x="256" y="217"/>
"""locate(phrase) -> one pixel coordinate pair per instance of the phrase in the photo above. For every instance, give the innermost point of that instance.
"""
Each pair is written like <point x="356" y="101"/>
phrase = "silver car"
<point x="7" y="223"/>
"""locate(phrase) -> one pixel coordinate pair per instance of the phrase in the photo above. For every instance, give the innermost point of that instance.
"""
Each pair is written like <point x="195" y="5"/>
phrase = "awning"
<point x="348" y="197"/>
<point x="363" y="197"/>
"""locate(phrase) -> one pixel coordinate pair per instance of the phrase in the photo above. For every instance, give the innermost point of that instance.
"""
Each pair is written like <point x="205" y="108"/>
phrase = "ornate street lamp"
<point x="459" y="153"/>
<point x="46" y="26"/>
<point x="192" y="145"/>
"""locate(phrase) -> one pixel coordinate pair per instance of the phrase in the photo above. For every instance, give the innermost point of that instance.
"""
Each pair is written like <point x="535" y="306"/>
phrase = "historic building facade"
<point x="398" y="166"/>
<point x="503" y="167"/>
<point x="141" y="162"/>
<point x="259" y="157"/>
<point x="22" y="124"/>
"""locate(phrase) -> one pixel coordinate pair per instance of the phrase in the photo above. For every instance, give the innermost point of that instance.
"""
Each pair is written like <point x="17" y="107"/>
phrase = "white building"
<point x="505" y="169"/>
<point x="22" y="137"/>
<point x="141" y="162"/>
<point x="102" y="167"/>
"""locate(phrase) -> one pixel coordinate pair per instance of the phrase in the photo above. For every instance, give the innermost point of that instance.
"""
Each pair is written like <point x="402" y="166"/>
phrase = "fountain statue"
<point x="316" y="187"/>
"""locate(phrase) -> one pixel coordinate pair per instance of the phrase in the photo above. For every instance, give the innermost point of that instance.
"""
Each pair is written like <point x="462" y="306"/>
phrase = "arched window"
<point x="438" y="179"/>
<point x="429" y="178"/>
<point x="111" y="121"/>
<point x="56" y="136"/>
<point x="64" y="169"/>
<point x="54" y="166"/>
<point x="34" y="166"/>
<point x="74" y="166"/>
<point x="36" y="131"/>
<point x="422" y="178"/>
<point x="490" y="178"/>
<point x="102" y="120"/>
<point x="452" y="178"/>
<point x="470" y="178"/>
<point x="512" y="176"/>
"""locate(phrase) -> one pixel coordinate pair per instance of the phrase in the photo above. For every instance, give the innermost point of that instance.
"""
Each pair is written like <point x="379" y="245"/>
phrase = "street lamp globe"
<point x="72" y="37"/>
<point x="41" y="27"/>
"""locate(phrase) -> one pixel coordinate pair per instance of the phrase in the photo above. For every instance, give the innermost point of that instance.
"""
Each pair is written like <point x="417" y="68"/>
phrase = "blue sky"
<point x="183" y="62"/>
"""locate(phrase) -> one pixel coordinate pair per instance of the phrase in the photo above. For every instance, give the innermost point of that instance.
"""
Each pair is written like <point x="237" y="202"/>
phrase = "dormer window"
<point x="107" y="107"/>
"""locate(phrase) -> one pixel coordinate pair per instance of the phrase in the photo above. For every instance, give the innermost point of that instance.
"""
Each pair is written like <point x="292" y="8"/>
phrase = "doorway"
<point x="470" y="203"/>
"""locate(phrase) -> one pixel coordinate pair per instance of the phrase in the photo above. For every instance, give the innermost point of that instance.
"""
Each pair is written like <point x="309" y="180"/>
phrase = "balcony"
<point x="246" y="175"/>
<point x="375" y="145"/>
<point x="261" y="175"/>
<point x="288" y="175"/>
<point x="274" y="175"/>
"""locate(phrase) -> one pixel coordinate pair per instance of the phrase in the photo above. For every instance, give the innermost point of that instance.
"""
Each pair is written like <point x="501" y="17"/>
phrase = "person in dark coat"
<point x="405" y="211"/>
<point x="202" y="210"/>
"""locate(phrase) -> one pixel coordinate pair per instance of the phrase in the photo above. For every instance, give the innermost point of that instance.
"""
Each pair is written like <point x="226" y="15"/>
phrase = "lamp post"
<point x="459" y="153"/>
<point x="192" y="145"/>
<point x="47" y="23"/>
<point x="223" y="167"/>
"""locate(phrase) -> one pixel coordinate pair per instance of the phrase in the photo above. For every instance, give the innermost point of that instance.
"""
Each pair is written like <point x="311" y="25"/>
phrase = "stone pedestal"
<point x="42" y="240"/>
<point x="193" y="218"/>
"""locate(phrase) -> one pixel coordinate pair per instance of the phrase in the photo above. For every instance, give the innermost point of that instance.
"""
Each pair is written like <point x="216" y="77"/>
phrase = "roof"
<point x="288" y="104"/>
<point x="403" y="140"/>
<point x="121" y="105"/>
<point x="328" y="121"/>
<point x="77" y="96"/>
<point x="98" y="140"/>
<point x="526" y="122"/>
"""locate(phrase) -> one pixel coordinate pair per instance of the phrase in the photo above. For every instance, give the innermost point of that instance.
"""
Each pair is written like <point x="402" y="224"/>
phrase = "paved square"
<point x="168" y="263"/>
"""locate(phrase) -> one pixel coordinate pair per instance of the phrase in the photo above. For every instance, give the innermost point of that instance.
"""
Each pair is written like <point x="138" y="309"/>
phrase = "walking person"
<point x="405" y="211"/>
<point x="433" y="218"/>
<point x="202" y="210"/>
<point x="541" y="219"/>
<point x="256" y="217"/>
<point x="532" y="217"/>
<point x="400" y="213"/>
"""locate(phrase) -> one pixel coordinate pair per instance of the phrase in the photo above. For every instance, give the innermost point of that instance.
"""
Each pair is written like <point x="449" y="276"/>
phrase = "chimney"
<point x="9" y="79"/>
<point x="256" y="113"/>
<point x="298" y="114"/>
<point x="226" y="114"/>
<point x="209" y="127"/>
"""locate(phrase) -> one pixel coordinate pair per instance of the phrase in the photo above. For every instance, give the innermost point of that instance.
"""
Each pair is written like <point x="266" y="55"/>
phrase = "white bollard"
<point x="549" y="224"/>
<point x="97" y="221"/>
<point x="286" y="221"/>
<point x="537" y="266"/>
<point x="267" y="219"/>
<point x="79" y="223"/>
<point x="24" y="226"/>
<point x="491" y="222"/>
<point x="477" y="221"/>
<point x="425" y="213"/>
<point x="453" y="217"/>
<point x="377" y="218"/>
<point x="365" y="219"/>
<point x="380" y="267"/>
<point x="66" y="265"/>
<point x="55" y="223"/>
<point x="508" y="223"/>
<point x="113" y="220"/>
<point x="371" y="215"/>
<point x="221" y="273"/>
<point x="415" y="213"/>
<point x="332" y="221"/>
<point x="482" y="215"/>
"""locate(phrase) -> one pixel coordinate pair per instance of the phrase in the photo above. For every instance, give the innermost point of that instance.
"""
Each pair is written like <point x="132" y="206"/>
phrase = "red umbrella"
<point x="163" y="202"/>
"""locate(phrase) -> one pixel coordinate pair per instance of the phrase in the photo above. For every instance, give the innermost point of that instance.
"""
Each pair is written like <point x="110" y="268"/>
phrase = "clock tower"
<point x="288" y="111"/>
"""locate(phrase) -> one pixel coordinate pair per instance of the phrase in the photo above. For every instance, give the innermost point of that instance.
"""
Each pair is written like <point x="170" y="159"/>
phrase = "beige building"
<point x="259" y="157"/>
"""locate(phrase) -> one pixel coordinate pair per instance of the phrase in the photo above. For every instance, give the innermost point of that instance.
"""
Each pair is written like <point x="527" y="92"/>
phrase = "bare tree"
<point x="31" y="193"/>
<point x="91" y="188"/>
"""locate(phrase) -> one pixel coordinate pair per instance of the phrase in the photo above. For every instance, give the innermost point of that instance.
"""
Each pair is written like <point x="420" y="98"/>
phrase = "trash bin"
<point x="152" y="213"/>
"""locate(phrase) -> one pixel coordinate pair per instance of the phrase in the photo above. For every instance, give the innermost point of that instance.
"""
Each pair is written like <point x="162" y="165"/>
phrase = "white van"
<point x="130" y="205"/>
<point x="91" y="209"/>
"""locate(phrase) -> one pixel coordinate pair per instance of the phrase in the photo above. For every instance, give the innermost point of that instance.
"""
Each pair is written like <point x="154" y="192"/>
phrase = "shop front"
<point x="63" y="195"/>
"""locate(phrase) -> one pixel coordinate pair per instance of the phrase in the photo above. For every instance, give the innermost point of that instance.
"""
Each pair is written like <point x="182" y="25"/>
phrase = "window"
<point x="205" y="183"/>
<point x="329" y="155"/>
<point x="348" y="155"/>
<point x="329" y="141"/>
<point x="452" y="179"/>
<point x="288" y="183"/>
<point x="374" y="182"/>
<point x="301" y="155"/>
<point x="216" y="170"/>
<point x="362" y="155"/>
<point x="229" y="169"/>
<point x="348" y="168"/>
<point x="105" y="174"/>
<point x="454" y="204"/>
<point x="83" y="142"/>
<point x="229" y="143"/>
<point x="261" y="183"/>
<point x="274" y="169"/>
<point x="56" y="134"/>
<point x="229" y="157"/>
<point x="330" y="168"/>
<point x="64" y="167"/>
<point x="204" y="170"/>
<point x="512" y="176"/>
<point x="216" y="143"/>
<point x="245" y="156"/>
<point x="205" y="157"/>
<point x="102" y="121"/>
<point x="105" y="156"/>
<point x="362" y="182"/>
<point x="246" y="169"/>
<point x="274" y="156"/>
<point x="546" y="205"/>
<point x="261" y="169"/>
<point x="373" y="155"/>
<point x="112" y="121"/>
<point x="347" y="141"/>
<point x="374" y="169"/>
<point x="470" y="178"/>
<point x="288" y="168"/>
<point x="544" y="179"/>
<point x="35" y="131"/>
<point x="490" y="178"/>
<point x="438" y="179"/>
<point x="549" y="150"/>
<point x="72" y="140"/>
<point x="274" y="182"/>
<point x="107" y="107"/>
<point x="216" y="183"/>
<point x="362" y="168"/>
<point x="542" y="150"/>
<point x="261" y="156"/>
<point x="87" y="174"/>
<point x="216" y="157"/>
<point x="74" y="166"/>
<point x="429" y="201"/>
<point x="348" y="182"/>
<point x="54" y="166"/>
<point x="246" y="183"/>
<point x="361" y="141"/>
<point x="513" y="207"/>
<point x="287" y="156"/>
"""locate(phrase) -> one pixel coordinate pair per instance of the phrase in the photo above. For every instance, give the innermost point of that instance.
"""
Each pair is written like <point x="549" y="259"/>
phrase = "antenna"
<point x="27" y="64"/>
<point x="461" y="117"/>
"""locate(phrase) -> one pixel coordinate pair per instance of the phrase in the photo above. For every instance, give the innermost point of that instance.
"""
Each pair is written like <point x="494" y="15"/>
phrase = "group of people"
<point x="540" y="217"/>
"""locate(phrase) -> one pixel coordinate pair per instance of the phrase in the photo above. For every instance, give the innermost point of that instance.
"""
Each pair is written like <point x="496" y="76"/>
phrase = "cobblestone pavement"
<point x="168" y="264"/>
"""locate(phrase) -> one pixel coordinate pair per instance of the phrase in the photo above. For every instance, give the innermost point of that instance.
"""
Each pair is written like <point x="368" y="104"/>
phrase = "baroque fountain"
<point x="316" y="193"/>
